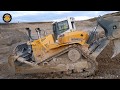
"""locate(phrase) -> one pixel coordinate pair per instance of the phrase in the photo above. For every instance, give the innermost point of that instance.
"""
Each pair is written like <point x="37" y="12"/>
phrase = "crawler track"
<point x="61" y="64"/>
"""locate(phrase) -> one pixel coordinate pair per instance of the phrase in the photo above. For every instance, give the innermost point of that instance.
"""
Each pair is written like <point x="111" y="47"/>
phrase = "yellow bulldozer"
<point x="67" y="50"/>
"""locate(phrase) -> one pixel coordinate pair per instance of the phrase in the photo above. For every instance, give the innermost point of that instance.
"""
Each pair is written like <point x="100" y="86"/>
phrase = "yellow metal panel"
<point x="41" y="46"/>
<point x="46" y="41"/>
<point x="76" y="36"/>
<point x="45" y="47"/>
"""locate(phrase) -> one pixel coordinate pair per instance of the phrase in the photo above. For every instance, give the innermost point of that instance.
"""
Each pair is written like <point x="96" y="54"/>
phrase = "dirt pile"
<point x="8" y="40"/>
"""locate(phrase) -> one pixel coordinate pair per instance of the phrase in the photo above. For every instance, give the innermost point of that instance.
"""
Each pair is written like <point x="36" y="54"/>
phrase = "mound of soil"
<point x="8" y="40"/>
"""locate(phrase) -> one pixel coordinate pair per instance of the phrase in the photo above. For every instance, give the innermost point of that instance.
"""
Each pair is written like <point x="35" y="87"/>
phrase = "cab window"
<point x="63" y="26"/>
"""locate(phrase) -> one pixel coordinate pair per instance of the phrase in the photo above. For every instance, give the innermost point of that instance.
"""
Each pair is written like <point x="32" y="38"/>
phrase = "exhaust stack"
<point x="38" y="32"/>
<point x="29" y="33"/>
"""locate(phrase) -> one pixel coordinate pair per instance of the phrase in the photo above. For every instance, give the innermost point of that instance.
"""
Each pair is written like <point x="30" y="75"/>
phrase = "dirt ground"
<point x="11" y="35"/>
<point x="107" y="69"/>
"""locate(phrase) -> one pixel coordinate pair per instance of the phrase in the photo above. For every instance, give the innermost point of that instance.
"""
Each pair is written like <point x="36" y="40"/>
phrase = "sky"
<point x="44" y="16"/>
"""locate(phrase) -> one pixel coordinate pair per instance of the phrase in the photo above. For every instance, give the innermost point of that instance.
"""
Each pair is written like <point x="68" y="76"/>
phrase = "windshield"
<point x="63" y="26"/>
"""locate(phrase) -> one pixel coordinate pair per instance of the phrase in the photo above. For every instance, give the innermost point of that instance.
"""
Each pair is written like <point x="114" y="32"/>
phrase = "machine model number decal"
<point x="76" y="39"/>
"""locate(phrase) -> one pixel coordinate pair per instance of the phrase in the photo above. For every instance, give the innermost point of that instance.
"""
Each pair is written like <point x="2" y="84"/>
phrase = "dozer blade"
<point x="103" y="43"/>
<point x="111" y="28"/>
<point x="116" y="47"/>
<point x="112" y="32"/>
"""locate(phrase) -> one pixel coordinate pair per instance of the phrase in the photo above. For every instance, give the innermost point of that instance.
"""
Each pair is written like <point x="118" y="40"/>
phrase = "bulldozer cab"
<point x="62" y="26"/>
